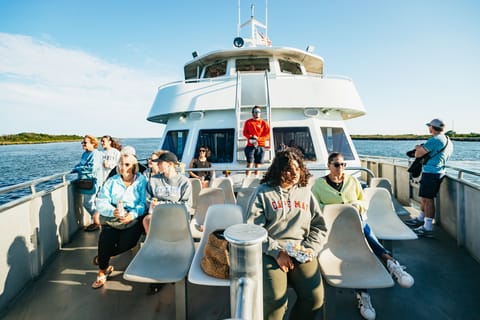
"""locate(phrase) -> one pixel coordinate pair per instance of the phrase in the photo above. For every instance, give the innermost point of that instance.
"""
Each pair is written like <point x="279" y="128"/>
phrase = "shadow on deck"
<point x="447" y="282"/>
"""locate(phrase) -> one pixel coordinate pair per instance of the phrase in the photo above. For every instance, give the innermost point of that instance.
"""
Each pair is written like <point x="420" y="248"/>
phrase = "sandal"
<point x="91" y="227"/>
<point x="101" y="280"/>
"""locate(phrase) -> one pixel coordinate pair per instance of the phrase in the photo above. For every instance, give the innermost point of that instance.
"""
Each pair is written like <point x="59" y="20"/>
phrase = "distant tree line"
<point x="473" y="136"/>
<point x="31" y="137"/>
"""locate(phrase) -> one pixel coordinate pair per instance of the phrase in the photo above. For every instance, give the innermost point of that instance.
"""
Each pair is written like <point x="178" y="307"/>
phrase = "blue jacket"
<point x="114" y="190"/>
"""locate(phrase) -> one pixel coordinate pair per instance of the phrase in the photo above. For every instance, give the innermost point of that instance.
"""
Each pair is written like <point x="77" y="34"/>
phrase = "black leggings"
<point x="113" y="242"/>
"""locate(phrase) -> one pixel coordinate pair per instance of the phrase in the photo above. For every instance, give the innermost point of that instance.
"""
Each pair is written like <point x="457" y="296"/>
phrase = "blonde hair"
<point x="92" y="139"/>
<point x="132" y="158"/>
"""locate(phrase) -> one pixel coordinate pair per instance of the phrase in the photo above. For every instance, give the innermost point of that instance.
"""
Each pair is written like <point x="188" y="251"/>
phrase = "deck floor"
<point x="447" y="286"/>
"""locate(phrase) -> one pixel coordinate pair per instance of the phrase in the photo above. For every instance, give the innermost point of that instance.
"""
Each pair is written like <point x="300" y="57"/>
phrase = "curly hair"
<point x="283" y="163"/>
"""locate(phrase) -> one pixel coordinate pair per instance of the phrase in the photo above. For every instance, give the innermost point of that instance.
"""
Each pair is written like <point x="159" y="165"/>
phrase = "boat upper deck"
<point x="446" y="287"/>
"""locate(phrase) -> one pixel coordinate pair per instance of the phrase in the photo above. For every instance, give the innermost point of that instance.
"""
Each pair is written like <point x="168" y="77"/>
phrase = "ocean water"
<point x="22" y="163"/>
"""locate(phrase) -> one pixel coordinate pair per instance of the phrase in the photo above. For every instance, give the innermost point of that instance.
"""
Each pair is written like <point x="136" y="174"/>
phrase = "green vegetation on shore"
<point x="453" y="135"/>
<point x="31" y="137"/>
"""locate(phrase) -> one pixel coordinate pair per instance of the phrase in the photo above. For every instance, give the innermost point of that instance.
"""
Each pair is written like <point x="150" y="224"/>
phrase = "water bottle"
<point x="121" y="210"/>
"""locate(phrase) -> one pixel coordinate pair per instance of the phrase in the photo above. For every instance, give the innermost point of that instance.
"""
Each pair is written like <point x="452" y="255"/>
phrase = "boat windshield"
<point x="216" y="70"/>
<point x="336" y="141"/>
<point x="295" y="137"/>
<point x="251" y="64"/>
<point x="289" y="67"/>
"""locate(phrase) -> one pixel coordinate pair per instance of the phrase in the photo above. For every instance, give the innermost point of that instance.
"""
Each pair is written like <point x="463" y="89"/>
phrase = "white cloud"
<point x="48" y="89"/>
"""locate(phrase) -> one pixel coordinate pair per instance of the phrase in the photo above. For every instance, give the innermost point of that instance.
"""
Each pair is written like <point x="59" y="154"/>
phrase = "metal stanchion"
<point x="246" y="288"/>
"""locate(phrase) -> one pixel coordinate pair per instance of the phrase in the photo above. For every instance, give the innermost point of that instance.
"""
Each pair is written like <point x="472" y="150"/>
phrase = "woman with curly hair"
<point x="285" y="207"/>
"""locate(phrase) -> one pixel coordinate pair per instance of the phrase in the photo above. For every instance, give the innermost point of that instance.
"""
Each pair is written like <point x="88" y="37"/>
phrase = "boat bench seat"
<point x="382" y="217"/>
<point x="346" y="260"/>
<point x="167" y="253"/>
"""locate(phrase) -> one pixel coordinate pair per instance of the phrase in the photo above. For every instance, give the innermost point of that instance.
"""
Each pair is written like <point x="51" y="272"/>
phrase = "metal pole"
<point x="246" y="275"/>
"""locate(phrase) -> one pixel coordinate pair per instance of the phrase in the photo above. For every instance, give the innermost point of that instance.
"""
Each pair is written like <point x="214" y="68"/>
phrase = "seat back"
<point x="346" y="259"/>
<point x="219" y="216"/>
<point x="250" y="181"/>
<point x="226" y="185"/>
<point x="168" y="250"/>
<point x="196" y="188"/>
<point x="381" y="183"/>
<point x="206" y="198"/>
<point x="243" y="198"/>
<point x="382" y="216"/>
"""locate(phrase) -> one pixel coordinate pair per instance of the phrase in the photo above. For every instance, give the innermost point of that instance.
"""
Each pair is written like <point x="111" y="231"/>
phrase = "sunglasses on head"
<point x="339" y="164"/>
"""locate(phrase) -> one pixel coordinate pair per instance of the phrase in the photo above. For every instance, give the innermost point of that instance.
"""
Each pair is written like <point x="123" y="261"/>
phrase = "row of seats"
<point x="346" y="259"/>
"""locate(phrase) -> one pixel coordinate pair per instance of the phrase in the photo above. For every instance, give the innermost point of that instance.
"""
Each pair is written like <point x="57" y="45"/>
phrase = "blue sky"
<point x="94" y="66"/>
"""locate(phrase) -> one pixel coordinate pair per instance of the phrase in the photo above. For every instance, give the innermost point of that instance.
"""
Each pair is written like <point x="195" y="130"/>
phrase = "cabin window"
<point x="216" y="70"/>
<point x="290" y="67"/>
<point x="295" y="137"/>
<point x="220" y="142"/>
<point x="191" y="72"/>
<point x="175" y="142"/>
<point x="261" y="64"/>
<point x="336" y="141"/>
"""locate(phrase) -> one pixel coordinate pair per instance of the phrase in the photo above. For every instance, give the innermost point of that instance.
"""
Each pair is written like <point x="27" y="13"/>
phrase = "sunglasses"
<point x="339" y="164"/>
<point x="203" y="150"/>
<point x="83" y="142"/>
<point x="257" y="111"/>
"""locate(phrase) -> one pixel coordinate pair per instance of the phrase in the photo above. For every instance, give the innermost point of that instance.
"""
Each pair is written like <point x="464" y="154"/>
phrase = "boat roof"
<point x="311" y="62"/>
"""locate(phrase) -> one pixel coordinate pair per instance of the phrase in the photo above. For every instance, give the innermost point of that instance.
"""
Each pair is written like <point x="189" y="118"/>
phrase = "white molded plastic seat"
<point x="196" y="188"/>
<point x="243" y="198"/>
<point x="251" y="181"/>
<point x="206" y="198"/>
<point x="382" y="217"/>
<point x="385" y="183"/>
<point x="346" y="259"/>
<point x="226" y="185"/>
<point x="167" y="253"/>
<point x="219" y="216"/>
<point x="168" y="249"/>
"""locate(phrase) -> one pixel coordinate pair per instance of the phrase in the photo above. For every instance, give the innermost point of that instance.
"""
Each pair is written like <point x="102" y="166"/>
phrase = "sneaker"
<point x="365" y="305"/>
<point x="404" y="279"/>
<point x="422" y="232"/>
<point x="414" y="223"/>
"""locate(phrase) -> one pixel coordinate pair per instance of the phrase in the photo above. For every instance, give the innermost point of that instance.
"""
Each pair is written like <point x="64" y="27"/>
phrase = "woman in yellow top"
<point x="337" y="187"/>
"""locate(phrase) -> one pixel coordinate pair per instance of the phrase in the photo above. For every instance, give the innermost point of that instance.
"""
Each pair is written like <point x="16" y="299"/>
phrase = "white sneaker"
<point x="365" y="305"/>
<point x="404" y="279"/>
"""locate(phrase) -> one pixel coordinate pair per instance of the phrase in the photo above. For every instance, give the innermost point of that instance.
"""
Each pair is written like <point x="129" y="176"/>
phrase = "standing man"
<point x="257" y="132"/>
<point x="439" y="148"/>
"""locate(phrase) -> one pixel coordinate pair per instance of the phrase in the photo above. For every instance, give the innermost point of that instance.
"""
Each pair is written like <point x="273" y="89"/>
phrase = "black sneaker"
<point x="422" y="232"/>
<point x="414" y="223"/>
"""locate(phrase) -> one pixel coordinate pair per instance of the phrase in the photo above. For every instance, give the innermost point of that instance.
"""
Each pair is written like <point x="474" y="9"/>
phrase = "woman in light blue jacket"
<point x="121" y="204"/>
<point x="90" y="166"/>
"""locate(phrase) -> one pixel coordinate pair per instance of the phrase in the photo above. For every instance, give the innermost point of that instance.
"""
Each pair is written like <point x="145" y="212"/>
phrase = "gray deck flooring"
<point x="447" y="286"/>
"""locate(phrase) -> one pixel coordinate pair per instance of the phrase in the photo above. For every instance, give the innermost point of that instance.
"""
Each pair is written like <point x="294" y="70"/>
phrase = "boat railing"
<point x="34" y="186"/>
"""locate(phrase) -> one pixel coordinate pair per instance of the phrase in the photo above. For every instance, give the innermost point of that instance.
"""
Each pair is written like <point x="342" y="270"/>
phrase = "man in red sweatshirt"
<point x="257" y="132"/>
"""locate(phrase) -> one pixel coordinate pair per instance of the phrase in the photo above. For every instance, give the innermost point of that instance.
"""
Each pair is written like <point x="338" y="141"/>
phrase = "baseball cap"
<point x="168" y="157"/>
<point x="437" y="123"/>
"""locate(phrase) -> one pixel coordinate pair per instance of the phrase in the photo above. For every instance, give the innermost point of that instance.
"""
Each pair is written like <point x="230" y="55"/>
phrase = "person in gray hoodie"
<point x="284" y="205"/>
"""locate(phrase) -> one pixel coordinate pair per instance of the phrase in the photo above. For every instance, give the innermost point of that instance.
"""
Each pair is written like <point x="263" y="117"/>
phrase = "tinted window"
<point x="252" y="64"/>
<point x="175" y="142"/>
<point x="220" y="142"/>
<point x="216" y="70"/>
<point x="290" y="67"/>
<point x="295" y="137"/>
<point x="336" y="141"/>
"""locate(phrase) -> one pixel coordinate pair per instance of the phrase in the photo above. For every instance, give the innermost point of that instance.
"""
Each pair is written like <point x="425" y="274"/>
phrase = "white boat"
<point x="46" y="270"/>
<point x="303" y="106"/>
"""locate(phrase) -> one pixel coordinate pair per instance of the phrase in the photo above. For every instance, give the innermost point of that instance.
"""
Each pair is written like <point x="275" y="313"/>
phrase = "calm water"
<point x="21" y="163"/>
